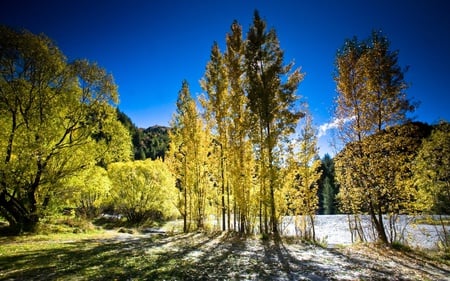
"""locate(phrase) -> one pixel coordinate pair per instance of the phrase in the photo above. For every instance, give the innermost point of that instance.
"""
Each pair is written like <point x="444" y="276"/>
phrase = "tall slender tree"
<point x="271" y="99"/>
<point x="188" y="157"/>
<point x="327" y="186"/>
<point x="302" y="180"/>
<point x="241" y="152"/>
<point x="217" y="112"/>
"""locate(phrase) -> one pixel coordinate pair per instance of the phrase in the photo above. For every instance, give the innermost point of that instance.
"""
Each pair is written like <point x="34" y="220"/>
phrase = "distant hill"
<point x="152" y="142"/>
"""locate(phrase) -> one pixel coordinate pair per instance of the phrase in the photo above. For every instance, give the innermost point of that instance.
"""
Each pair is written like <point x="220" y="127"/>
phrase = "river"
<point x="334" y="229"/>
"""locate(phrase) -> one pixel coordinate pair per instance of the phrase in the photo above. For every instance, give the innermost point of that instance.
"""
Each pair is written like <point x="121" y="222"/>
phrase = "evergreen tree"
<point x="328" y="193"/>
<point x="327" y="186"/>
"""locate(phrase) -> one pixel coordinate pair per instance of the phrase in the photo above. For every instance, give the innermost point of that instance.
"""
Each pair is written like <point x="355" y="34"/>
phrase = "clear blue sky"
<point x="151" y="46"/>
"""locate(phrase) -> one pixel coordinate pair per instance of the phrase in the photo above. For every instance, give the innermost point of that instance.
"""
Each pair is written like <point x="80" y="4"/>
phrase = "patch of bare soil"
<point x="228" y="257"/>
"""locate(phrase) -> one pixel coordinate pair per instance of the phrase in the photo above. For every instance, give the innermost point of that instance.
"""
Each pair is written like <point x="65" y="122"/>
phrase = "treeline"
<point x="238" y="159"/>
<point x="153" y="143"/>
<point x="232" y="158"/>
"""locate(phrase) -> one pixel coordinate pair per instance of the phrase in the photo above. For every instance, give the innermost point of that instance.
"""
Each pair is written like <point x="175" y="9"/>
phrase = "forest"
<point x="239" y="157"/>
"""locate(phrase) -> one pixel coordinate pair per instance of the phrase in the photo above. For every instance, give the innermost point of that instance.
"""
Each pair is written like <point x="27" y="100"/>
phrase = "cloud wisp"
<point x="324" y="128"/>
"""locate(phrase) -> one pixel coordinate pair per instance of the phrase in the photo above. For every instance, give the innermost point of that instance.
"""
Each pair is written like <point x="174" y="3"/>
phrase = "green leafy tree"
<point x="143" y="190"/>
<point x="87" y="191"/>
<point x="371" y="97"/>
<point x="54" y="118"/>
<point x="271" y="88"/>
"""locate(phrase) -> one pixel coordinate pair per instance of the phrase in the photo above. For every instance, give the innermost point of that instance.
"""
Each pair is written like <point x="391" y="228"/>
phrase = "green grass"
<point x="93" y="256"/>
<point x="69" y="248"/>
<point x="57" y="252"/>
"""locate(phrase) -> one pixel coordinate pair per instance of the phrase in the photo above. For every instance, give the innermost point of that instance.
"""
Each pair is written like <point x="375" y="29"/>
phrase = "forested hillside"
<point x="152" y="142"/>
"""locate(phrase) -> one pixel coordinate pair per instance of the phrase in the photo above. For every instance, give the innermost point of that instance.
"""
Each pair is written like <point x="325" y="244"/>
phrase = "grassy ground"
<point x="110" y="255"/>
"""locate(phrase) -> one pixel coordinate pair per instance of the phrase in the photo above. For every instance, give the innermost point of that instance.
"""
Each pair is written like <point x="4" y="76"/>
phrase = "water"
<point x="334" y="229"/>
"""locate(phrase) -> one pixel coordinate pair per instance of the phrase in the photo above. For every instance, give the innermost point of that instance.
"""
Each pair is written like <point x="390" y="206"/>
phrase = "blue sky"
<point x="151" y="46"/>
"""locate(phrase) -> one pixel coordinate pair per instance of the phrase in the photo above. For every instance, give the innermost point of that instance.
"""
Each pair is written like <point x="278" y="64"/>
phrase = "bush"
<point x="143" y="190"/>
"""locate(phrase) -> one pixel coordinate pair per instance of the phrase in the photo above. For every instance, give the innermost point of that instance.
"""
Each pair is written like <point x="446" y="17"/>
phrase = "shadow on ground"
<point x="196" y="256"/>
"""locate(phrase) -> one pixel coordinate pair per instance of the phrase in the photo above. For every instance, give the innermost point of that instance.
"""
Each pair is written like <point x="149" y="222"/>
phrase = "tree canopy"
<point x="56" y="118"/>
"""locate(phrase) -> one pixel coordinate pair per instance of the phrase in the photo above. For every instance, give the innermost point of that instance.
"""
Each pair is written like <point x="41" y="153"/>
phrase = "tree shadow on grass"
<point x="293" y="268"/>
<point x="310" y="262"/>
<point x="192" y="256"/>
<point x="105" y="259"/>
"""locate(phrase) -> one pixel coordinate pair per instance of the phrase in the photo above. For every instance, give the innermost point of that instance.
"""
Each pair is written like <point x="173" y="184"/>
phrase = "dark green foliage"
<point x="126" y="121"/>
<point x="156" y="142"/>
<point x="329" y="195"/>
<point x="432" y="171"/>
<point x="152" y="142"/>
<point x="327" y="187"/>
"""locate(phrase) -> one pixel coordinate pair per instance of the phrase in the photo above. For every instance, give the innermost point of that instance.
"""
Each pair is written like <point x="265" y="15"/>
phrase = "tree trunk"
<point x="223" y="190"/>
<point x="313" y="228"/>
<point x="378" y="222"/>
<point x="273" y="215"/>
<point x="228" y="208"/>
<point x="185" y="211"/>
<point x="18" y="217"/>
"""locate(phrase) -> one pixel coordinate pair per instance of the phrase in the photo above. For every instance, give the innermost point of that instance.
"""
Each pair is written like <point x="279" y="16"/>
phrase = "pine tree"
<point x="327" y="186"/>
<point x="328" y="197"/>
